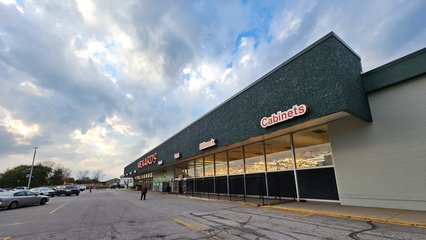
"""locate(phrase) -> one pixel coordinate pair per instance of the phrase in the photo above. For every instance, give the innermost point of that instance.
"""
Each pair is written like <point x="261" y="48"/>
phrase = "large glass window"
<point x="221" y="162"/>
<point x="236" y="161"/>
<point x="181" y="170"/>
<point x="191" y="169"/>
<point x="313" y="148"/>
<point x="209" y="166"/>
<point x="278" y="154"/>
<point x="199" y="167"/>
<point x="255" y="159"/>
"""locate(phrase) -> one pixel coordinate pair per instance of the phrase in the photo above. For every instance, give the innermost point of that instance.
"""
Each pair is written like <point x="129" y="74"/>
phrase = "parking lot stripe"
<point x="188" y="225"/>
<point x="192" y="227"/>
<point x="11" y="224"/>
<point x="56" y="209"/>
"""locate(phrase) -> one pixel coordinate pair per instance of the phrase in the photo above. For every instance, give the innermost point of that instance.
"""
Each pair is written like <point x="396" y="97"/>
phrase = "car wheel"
<point x="42" y="201"/>
<point x="77" y="194"/>
<point x="13" y="205"/>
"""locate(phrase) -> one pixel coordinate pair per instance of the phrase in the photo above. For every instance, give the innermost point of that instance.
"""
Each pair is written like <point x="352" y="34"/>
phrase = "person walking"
<point x="144" y="190"/>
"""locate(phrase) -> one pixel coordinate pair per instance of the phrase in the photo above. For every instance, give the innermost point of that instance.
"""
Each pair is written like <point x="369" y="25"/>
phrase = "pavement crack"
<point x="354" y="235"/>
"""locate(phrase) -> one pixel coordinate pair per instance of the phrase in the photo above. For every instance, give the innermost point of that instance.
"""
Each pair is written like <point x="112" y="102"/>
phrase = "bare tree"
<point x="83" y="175"/>
<point x="97" y="174"/>
<point x="58" y="174"/>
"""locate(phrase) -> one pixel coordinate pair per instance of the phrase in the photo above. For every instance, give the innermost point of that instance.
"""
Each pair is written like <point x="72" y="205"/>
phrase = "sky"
<point x="97" y="84"/>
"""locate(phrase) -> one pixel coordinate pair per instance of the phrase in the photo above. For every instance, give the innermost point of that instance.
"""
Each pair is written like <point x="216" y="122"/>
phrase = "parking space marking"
<point x="56" y="209"/>
<point x="188" y="225"/>
<point x="192" y="227"/>
<point x="10" y="224"/>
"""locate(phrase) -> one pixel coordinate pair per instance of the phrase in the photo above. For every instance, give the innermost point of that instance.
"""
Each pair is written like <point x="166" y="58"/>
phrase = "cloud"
<point x="21" y="131"/>
<point x="118" y="126"/>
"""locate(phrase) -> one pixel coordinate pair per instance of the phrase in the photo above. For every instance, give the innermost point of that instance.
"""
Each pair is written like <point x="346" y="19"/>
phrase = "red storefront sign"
<point x="148" y="160"/>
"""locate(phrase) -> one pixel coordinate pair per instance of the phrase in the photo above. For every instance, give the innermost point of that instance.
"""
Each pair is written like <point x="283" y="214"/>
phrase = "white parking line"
<point x="11" y="224"/>
<point x="56" y="209"/>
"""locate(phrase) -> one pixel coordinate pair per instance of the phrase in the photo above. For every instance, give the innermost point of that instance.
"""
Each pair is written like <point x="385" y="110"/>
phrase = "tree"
<point x="83" y="175"/>
<point x="97" y="174"/>
<point x="59" y="173"/>
<point x="69" y="180"/>
<point x="18" y="176"/>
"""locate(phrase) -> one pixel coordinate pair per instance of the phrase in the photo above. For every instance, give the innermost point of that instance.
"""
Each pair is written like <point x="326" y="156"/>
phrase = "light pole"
<point x="32" y="166"/>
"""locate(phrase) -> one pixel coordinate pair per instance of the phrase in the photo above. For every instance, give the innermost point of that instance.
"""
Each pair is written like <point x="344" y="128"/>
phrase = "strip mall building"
<point x="314" y="128"/>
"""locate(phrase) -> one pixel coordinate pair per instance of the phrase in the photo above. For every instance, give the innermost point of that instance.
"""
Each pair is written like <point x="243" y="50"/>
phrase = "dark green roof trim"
<point x="402" y="69"/>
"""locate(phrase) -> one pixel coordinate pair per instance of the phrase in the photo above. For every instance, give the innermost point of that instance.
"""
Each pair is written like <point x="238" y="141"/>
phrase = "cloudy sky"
<point x="96" y="84"/>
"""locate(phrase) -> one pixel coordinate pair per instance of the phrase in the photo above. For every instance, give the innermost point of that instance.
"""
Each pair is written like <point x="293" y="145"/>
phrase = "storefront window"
<point x="221" y="161"/>
<point x="209" y="166"/>
<point x="236" y="161"/>
<point x="191" y="169"/>
<point x="255" y="159"/>
<point x="279" y="156"/>
<point x="313" y="148"/>
<point x="181" y="170"/>
<point x="199" y="167"/>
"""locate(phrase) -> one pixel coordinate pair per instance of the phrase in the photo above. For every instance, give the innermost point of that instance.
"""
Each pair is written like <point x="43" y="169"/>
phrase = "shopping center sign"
<point x="210" y="143"/>
<point x="148" y="160"/>
<point x="282" y="116"/>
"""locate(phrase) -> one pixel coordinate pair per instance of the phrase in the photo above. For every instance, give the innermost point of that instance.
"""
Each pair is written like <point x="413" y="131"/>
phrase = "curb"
<point x="348" y="216"/>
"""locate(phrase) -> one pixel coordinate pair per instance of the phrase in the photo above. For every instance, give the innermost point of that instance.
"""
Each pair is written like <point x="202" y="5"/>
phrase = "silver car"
<point x="14" y="199"/>
<point x="43" y="191"/>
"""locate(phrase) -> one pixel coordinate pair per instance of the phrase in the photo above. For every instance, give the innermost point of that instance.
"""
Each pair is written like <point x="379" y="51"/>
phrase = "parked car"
<point x="68" y="190"/>
<point x="20" y="188"/>
<point x="19" y="198"/>
<point x="44" y="191"/>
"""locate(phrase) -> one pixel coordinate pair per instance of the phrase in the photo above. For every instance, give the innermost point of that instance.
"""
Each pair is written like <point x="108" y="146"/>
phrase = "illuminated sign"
<point x="176" y="155"/>
<point x="210" y="143"/>
<point x="148" y="160"/>
<point x="281" y="116"/>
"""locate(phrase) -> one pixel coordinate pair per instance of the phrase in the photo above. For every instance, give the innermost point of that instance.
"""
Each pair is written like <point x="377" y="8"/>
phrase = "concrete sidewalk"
<point x="382" y="215"/>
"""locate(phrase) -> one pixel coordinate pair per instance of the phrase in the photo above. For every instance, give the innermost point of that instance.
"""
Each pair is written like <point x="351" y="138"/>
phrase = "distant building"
<point x="113" y="181"/>
<point x="314" y="128"/>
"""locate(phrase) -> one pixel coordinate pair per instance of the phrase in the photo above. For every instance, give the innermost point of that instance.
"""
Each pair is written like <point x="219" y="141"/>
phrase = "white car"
<point x="82" y="187"/>
<point x="43" y="191"/>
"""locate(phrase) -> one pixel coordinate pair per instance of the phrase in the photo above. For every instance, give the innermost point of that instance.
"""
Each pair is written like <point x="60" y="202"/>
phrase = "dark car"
<point x="68" y="190"/>
<point x="19" y="198"/>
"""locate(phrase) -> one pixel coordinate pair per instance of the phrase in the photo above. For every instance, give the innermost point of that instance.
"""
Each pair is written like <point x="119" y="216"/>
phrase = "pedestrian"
<point x="90" y="188"/>
<point x="144" y="189"/>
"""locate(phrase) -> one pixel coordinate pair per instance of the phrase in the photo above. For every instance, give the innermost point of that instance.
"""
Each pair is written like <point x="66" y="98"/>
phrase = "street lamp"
<point x="32" y="166"/>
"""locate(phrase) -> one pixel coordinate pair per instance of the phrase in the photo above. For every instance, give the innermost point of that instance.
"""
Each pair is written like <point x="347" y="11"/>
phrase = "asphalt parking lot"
<point x="119" y="214"/>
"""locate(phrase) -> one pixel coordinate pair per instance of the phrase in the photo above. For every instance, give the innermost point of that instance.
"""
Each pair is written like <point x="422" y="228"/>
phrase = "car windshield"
<point x="70" y="187"/>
